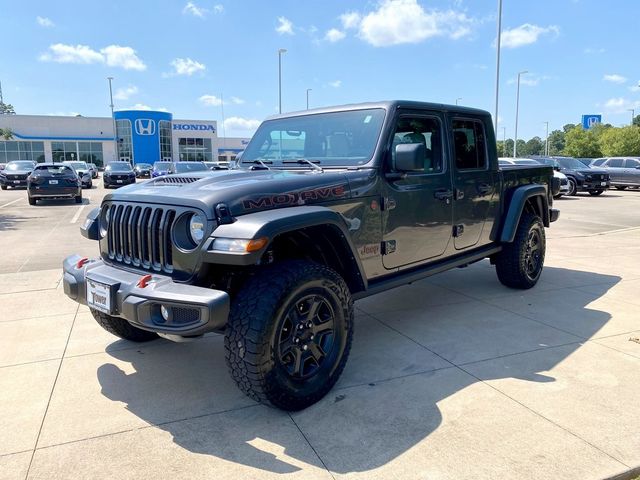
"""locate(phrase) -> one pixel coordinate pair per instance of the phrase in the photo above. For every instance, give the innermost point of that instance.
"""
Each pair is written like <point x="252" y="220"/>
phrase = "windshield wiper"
<point x="259" y="162"/>
<point x="302" y="161"/>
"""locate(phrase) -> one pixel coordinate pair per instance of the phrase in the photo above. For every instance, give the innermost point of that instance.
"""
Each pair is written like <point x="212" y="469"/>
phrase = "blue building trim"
<point x="145" y="132"/>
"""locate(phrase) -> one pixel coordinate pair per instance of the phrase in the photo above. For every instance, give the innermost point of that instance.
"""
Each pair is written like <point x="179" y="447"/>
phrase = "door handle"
<point x="443" y="194"/>
<point x="484" y="189"/>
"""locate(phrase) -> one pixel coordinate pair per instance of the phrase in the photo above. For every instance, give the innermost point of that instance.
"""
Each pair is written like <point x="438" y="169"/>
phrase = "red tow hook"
<point x="82" y="262"/>
<point x="144" y="281"/>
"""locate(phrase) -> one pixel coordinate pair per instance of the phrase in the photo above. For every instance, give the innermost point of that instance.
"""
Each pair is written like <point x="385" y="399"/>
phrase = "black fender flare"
<point x="271" y="224"/>
<point x="516" y="205"/>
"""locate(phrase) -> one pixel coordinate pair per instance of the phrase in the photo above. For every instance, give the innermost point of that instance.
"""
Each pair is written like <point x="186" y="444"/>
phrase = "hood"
<point x="243" y="191"/>
<point x="586" y="170"/>
<point x="18" y="172"/>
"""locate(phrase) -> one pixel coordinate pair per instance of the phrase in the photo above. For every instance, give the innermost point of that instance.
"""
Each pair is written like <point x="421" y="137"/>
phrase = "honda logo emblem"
<point x="145" y="126"/>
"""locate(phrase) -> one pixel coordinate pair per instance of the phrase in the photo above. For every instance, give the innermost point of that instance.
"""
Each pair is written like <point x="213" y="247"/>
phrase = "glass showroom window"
<point x="123" y="132"/>
<point x="21" y="151"/>
<point x="64" y="151"/>
<point x="195" y="149"/>
<point x="91" y="152"/>
<point x="165" y="140"/>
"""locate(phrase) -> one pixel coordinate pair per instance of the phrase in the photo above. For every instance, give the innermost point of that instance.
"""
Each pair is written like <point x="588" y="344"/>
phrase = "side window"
<point x="469" y="145"/>
<point x="630" y="163"/>
<point x="426" y="131"/>
<point x="615" y="162"/>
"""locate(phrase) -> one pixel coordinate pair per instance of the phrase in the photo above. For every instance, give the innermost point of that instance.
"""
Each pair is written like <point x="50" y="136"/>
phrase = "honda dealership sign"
<point x="589" y="121"/>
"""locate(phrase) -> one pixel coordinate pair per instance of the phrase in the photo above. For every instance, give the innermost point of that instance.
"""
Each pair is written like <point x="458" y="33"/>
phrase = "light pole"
<point x="546" y="140"/>
<point x="515" y="135"/>
<point x="504" y="141"/>
<point x="113" y="119"/>
<point x="308" y="90"/>
<point x="459" y="98"/>
<point x="280" y="52"/>
<point x="495" y="119"/>
<point x="633" y="114"/>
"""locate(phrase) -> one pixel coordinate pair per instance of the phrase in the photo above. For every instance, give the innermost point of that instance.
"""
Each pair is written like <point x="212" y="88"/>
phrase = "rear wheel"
<point x="573" y="187"/>
<point x="595" y="193"/>
<point x="289" y="334"/>
<point x="4" y="187"/>
<point x="33" y="201"/>
<point x="520" y="263"/>
<point x="121" y="328"/>
<point x="79" y="199"/>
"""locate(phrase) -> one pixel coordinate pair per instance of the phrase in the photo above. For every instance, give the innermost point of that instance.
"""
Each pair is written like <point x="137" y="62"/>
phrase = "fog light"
<point x="165" y="312"/>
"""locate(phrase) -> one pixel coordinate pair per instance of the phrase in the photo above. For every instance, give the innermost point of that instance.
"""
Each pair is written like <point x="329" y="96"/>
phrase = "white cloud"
<point x="210" y="100"/>
<point x="397" y="22"/>
<point x="620" y="105"/>
<point x="62" y="53"/>
<point x="614" y="78"/>
<point x="635" y="88"/>
<point x="237" y="101"/>
<point x="44" y="22"/>
<point x="125" y="93"/>
<point x="123" y="57"/>
<point x="241" y="124"/>
<point x="334" y="35"/>
<point x="529" y="80"/>
<point x="192" y="9"/>
<point x="285" y="26"/>
<point x="186" y="66"/>
<point x="526" y="34"/>
<point x="336" y="84"/>
<point x="218" y="8"/>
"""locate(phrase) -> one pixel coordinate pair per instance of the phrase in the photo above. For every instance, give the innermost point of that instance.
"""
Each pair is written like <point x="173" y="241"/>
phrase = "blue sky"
<point x="184" y="55"/>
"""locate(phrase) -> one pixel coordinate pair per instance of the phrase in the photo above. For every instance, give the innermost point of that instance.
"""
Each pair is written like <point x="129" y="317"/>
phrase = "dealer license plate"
<point x="604" y="184"/>
<point x="98" y="296"/>
<point x="53" y="182"/>
<point x="119" y="181"/>
<point x="16" y="181"/>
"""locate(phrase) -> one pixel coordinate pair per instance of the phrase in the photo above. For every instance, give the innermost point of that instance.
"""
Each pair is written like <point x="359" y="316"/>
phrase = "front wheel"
<point x="79" y="199"/>
<point x="520" y="263"/>
<point x="573" y="187"/>
<point x="32" y="201"/>
<point x="289" y="334"/>
<point x="621" y="187"/>
<point x="595" y="193"/>
<point x="121" y="328"/>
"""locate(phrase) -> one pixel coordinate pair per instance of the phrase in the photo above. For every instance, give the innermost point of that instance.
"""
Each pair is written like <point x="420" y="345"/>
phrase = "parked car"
<point x="187" y="167"/>
<point x="54" y="180"/>
<point x="93" y="168"/>
<point x="117" y="174"/>
<point x="143" y="170"/>
<point x="624" y="171"/>
<point x="585" y="161"/>
<point x="15" y="173"/>
<point x="2" y="166"/>
<point x="582" y="178"/>
<point x="596" y="162"/>
<point x="83" y="171"/>
<point x="562" y="178"/>
<point x="561" y="183"/>
<point x="160" y="168"/>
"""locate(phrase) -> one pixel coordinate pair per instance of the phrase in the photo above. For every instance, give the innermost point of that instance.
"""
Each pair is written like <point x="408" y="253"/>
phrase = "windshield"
<point x="549" y="161"/>
<point x="338" y="139"/>
<point x="572" y="163"/>
<point x="19" y="165"/>
<point x="77" y="165"/>
<point x="143" y="165"/>
<point x="182" y="167"/>
<point x="53" y="169"/>
<point x="162" y="165"/>
<point x="118" y="167"/>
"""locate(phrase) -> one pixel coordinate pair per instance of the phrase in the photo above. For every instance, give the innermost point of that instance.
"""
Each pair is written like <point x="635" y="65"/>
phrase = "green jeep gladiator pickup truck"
<point x="326" y="206"/>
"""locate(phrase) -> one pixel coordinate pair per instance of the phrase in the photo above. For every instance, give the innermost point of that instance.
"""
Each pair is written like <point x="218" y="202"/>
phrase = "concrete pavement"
<point x="452" y="377"/>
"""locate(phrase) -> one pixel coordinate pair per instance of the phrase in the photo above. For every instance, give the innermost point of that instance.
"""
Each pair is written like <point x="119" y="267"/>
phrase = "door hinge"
<point x="458" y="230"/>
<point x="388" y="247"/>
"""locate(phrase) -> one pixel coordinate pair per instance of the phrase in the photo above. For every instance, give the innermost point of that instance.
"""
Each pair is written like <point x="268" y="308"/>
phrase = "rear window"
<point x="53" y="169"/>
<point x="615" y="162"/>
<point x="630" y="163"/>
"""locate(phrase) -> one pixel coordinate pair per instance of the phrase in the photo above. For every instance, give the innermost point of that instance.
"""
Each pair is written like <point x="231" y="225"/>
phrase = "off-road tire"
<point x="511" y="262"/>
<point x="573" y="187"/>
<point x="595" y="193"/>
<point x="32" y="201"/>
<point x="121" y="328"/>
<point x="258" y="314"/>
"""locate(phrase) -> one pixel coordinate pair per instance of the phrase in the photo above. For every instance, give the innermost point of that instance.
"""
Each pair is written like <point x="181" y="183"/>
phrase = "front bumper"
<point x="13" y="183"/>
<point x="51" y="192"/>
<point x="194" y="310"/>
<point x="119" y="182"/>
<point x="589" y="185"/>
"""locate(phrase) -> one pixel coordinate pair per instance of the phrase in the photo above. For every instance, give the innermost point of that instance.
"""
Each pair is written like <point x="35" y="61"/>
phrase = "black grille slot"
<point x="184" y="316"/>
<point x="141" y="236"/>
<point x="174" y="180"/>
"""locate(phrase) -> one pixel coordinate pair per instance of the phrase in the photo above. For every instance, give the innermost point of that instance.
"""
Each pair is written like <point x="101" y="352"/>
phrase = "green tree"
<point x="620" y="141"/>
<point x="583" y="143"/>
<point x="568" y="126"/>
<point x="636" y="121"/>
<point x="556" y="142"/>
<point x="521" y="148"/>
<point x="6" y="133"/>
<point x="6" y="109"/>
<point x="535" y="146"/>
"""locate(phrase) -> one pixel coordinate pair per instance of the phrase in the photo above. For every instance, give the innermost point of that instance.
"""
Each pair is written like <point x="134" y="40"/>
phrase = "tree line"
<point x="602" y="140"/>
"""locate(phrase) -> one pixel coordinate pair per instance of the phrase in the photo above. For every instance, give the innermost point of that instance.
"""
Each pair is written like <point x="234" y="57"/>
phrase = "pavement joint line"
<point x="311" y="446"/>
<point x="28" y="291"/>
<point x="14" y="453"/>
<point x="391" y="379"/>
<point x="33" y="362"/>
<point x="616" y="350"/>
<point x="597" y="234"/>
<point x="11" y="203"/>
<point x="147" y="426"/>
<point x="53" y="387"/>
<point x="37" y="317"/>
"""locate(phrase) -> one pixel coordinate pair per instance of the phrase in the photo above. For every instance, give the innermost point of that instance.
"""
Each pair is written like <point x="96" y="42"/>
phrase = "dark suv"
<point x="583" y="178"/>
<point x="117" y="174"/>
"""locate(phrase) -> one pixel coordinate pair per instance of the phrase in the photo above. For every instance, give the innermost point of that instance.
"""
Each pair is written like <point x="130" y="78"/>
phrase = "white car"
<point x="564" y="181"/>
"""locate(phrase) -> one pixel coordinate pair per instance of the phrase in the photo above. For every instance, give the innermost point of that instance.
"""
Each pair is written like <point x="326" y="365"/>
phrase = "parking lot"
<point x="452" y="377"/>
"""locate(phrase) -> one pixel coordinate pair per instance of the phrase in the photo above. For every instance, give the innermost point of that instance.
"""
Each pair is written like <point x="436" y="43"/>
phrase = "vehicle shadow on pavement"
<point x="355" y="428"/>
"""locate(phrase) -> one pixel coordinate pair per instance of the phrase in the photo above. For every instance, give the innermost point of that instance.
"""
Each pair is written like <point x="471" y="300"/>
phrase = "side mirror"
<point x="638" y="167"/>
<point x="410" y="157"/>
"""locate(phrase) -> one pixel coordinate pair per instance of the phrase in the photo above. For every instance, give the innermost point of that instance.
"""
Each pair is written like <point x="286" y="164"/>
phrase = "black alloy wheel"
<point x="573" y="187"/>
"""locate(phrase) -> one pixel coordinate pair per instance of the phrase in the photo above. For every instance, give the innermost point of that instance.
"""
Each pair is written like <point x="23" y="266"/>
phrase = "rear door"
<point x="474" y="181"/>
<point x="615" y="168"/>
<point x="417" y="205"/>
<point x="632" y="171"/>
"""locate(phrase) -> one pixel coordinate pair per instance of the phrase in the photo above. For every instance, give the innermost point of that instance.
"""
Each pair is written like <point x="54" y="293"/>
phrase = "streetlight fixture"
<point x="308" y="90"/>
<point x="280" y="52"/>
<point x="459" y="98"/>
<point x="546" y="140"/>
<point x="515" y="135"/>
<point x="113" y="119"/>
<point x="495" y="118"/>
<point x="633" y="114"/>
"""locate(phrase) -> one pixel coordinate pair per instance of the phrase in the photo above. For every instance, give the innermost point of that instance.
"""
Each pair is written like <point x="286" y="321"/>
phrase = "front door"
<point x="417" y="205"/>
<point x="473" y="182"/>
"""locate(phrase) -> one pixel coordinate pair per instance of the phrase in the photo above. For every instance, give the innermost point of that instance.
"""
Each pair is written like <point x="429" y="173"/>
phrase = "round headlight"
<point x="105" y="216"/>
<point x="196" y="228"/>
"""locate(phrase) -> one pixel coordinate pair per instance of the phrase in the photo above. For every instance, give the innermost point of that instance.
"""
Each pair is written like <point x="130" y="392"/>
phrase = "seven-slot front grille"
<point x="141" y="236"/>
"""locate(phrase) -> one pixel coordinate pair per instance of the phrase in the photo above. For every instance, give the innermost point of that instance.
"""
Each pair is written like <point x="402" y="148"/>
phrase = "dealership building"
<point x="142" y="136"/>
